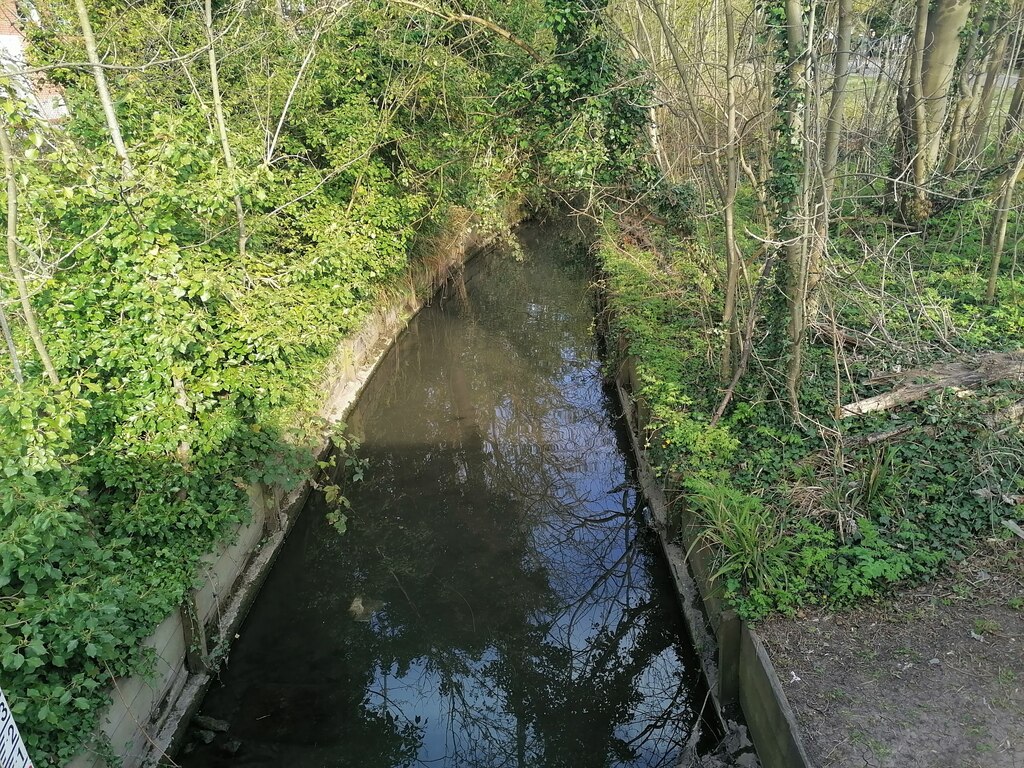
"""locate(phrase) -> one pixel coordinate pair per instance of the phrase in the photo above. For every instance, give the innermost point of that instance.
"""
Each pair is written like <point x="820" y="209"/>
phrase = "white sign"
<point x="13" y="753"/>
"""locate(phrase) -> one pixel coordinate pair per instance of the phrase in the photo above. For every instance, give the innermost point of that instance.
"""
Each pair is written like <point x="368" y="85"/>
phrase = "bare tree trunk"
<point x="677" y="60"/>
<point x="946" y="20"/>
<point x="966" y="94"/>
<point x="830" y="155"/>
<point x="1014" y="123"/>
<point x="725" y="187"/>
<point x="12" y="350"/>
<point x="222" y="129"/>
<point x="733" y="261"/>
<point x="15" y="261"/>
<point x="101" y="86"/>
<point x="984" y="115"/>
<point x="653" y="127"/>
<point x="883" y="85"/>
<point x="932" y="57"/>
<point x="999" y="220"/>
<point x="763" y="149"/>
<point x="654" y="136"/>
<point x="272" y="140"/>
<point x="918" y="118"/>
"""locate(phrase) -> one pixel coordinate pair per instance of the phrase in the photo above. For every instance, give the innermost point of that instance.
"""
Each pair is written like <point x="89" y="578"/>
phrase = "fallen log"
<point x="960" y="374"/>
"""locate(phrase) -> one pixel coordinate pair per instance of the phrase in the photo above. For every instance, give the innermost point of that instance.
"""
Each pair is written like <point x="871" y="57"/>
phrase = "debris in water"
<point x="211" y="724"/>
<point x="205" y="736"/>
<point x="363" y="609"/>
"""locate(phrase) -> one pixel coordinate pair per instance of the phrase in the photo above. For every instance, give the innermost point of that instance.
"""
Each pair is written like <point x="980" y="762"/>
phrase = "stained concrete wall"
<point x="139" y="705"/>
<point x="739" y="670"/>
<point x="147" y="716"/>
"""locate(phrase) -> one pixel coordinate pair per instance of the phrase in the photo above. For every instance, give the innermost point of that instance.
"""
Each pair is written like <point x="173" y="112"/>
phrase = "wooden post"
<point x="729" y="659"/>
<point x="270" y="500"/>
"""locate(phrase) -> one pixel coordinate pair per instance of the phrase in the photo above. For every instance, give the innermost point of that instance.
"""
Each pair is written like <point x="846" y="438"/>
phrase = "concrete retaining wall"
<point x="147" y="717"/>
<point x="739" y="671"/>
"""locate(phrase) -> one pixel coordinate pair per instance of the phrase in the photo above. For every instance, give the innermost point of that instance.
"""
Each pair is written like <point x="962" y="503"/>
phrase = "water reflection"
<point x="496" y="601"/>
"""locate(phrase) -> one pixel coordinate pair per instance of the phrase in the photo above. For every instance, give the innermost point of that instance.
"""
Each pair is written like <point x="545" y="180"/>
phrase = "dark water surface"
<point x="497" y="600"/>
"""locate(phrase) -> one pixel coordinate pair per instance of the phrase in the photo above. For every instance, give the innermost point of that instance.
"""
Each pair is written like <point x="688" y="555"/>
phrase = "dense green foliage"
<point x="188" y="370"/>
<point x="829" y="513"/>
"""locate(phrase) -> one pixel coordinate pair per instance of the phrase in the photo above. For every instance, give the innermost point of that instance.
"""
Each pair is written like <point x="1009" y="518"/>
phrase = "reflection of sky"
<point x="512" y="614"/>
<point x="583" y="540"/>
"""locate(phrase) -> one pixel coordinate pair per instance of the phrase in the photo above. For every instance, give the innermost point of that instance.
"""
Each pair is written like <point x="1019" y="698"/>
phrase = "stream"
<point x="498" y="598"/>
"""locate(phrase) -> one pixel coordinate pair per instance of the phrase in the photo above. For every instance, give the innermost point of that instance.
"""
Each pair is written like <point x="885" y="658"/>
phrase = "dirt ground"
<point x="933" y="678"/>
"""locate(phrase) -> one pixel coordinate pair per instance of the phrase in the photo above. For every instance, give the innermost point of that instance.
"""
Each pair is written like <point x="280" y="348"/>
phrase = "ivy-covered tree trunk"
<point x="791" y="168"/>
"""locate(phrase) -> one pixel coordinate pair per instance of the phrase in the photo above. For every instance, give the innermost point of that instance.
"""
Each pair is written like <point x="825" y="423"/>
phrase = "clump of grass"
<point x="746" y="536"/>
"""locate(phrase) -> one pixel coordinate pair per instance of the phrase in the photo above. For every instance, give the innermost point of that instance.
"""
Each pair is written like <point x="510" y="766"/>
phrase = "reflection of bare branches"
<point x="528" y="448"/>
<point x="498" y="530"/>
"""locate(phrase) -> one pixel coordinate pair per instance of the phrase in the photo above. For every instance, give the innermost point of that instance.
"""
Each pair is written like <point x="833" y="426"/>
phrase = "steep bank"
<point x="751" y="495"/>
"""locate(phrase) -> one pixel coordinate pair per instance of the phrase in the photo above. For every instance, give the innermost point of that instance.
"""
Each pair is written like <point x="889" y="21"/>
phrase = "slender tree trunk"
<point x="1014" y="123"/>
<point x="222" y="129"/>
<point x="653" y="124"/>
<point x="830" y="155"/>
<point x="932" y="58"/>
<point x="966" y="94"/>
<point x="999" y="221"/>
<point x="984" y="114"/>
<point x="918" y="120"/>
<point x="101" y="86"/>
<point x="15" y="262"/>
<point x="883" y="86"/>
<point x="797" y="226"/>
<point x="733" y="262"/>
<point x="725" y="187"/>
<point x="12" y="350"/>
<point x="694" y="114"/>
<point x="763" y="145"/>
<point x="654" y="136"/>
<point x="272" y="140"/>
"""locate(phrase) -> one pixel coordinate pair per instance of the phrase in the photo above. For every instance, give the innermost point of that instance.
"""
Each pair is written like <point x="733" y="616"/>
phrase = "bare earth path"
<point x="931" y="679"/>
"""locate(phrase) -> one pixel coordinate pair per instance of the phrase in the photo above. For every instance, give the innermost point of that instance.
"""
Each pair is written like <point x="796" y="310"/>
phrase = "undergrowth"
<point x="837" y="510"/>
<point x="187" y="356"/>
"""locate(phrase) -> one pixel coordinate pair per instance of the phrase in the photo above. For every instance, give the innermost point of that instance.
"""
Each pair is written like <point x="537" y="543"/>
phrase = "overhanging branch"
<point x="460" y="18"/>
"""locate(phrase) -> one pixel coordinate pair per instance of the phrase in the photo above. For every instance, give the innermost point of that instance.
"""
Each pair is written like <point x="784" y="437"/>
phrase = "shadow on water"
<point x="497" y="600"/>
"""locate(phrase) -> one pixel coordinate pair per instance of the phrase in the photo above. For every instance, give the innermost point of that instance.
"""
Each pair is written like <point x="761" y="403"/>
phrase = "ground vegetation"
<point x="847" y="268"/>
<point x="235" y="186"/>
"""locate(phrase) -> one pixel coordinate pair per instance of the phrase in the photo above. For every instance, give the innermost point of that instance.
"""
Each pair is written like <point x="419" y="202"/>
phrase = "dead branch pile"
<point x="918" y="383"/>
